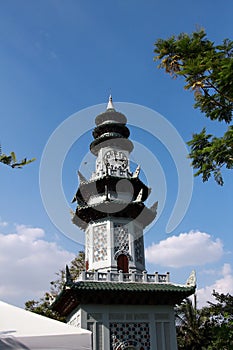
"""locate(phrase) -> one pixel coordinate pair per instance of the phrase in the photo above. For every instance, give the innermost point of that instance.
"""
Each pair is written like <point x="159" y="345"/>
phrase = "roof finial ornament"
<point x="110" y="104"/>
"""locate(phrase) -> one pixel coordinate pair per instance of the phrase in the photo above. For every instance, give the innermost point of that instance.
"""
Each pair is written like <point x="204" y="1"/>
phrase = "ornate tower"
<point x="115" y="298"/>
<point x="111" y="206"/>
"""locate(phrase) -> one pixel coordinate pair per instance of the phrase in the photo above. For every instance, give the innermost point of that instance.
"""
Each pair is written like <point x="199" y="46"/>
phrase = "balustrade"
<point x="124" y="277"/>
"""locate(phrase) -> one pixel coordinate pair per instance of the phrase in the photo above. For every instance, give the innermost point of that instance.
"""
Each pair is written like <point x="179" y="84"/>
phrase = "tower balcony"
<point x="124" y="277"/>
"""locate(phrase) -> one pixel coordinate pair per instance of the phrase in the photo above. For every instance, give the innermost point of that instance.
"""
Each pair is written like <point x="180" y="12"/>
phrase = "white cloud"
<point x="188" y="249"/>
<point x="222" y="285"/>
<point x="28" y="263"/>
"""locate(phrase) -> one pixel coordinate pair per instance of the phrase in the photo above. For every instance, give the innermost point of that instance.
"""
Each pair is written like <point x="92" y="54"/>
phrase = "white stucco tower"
<point x="123" y="305"/>
<point x="111" y="206"/>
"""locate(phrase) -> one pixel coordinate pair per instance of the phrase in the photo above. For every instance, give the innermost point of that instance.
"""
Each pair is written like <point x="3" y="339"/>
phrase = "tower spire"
<point x="110" y="104"/>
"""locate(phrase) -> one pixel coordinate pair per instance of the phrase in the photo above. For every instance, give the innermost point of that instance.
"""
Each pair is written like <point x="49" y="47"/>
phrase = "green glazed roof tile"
<point x="131" y="286"/>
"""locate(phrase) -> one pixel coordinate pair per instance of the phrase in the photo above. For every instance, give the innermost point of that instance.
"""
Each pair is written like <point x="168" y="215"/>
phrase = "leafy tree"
<point x="42" y="306"/>
<point x="192" y="327"/>
<point x="221" y="321"/>
<point x="208" y="71"/>
<point x="11" y="160"/>
<point x="208" y="328"/>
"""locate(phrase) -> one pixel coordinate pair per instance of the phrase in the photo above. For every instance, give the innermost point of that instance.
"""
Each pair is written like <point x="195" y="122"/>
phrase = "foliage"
<point x="42" y="306"/>
<point x="221" y="316"/>
<point x="209" y="328"/>
<point x="192" y="328"/>
<point x="12" y="161"/>
<point x="208" y="72"/>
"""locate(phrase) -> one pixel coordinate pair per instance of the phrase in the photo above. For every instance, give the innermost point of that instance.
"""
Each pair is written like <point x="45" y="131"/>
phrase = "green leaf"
<point x="207" y="70"/>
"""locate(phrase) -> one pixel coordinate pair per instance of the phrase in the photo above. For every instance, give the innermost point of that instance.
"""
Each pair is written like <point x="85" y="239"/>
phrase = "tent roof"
<point x="21" y="329"/>
<point x="26" y="323"/>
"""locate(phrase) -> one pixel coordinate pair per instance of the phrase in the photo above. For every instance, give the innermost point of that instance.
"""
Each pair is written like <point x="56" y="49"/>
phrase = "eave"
<point x="112" y="293"/>
<point x="97" y="186"/>
<point x="133" y="210"/>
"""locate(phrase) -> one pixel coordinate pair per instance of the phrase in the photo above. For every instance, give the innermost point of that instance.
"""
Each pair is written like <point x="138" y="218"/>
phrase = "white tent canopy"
<point x="25" y="330"/>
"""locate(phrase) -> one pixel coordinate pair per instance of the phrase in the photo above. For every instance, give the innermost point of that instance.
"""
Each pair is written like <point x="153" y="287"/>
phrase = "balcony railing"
<point x="124" y="277"/>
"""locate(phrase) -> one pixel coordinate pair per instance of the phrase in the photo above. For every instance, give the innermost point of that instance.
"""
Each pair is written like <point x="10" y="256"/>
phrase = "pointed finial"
<point x="110" y="104"/>
<point x="69" y="279"/>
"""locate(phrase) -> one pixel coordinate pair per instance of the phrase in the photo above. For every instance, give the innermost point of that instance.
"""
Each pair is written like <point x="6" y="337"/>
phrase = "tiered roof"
<point x="121" y="293"/>
<point x="111" y="131"/>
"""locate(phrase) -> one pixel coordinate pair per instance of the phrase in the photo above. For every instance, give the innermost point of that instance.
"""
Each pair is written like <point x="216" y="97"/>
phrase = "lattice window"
<point x="126" y="335"/>
<point x="100" y="242"/>
<point x="121" y="237"/>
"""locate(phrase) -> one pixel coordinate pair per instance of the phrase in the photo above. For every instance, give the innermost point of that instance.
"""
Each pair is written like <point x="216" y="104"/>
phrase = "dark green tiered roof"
<point x="111" y="131"/>
<point x="97" y="186"/>
<point x="111" y="127"/>
<point x="130" y="286"/>
<point x="115" y="293"/>
<point x="132" y="210"/>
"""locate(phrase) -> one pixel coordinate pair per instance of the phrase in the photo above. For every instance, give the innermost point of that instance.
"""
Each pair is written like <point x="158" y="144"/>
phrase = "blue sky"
<point x="59" y="57"/>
